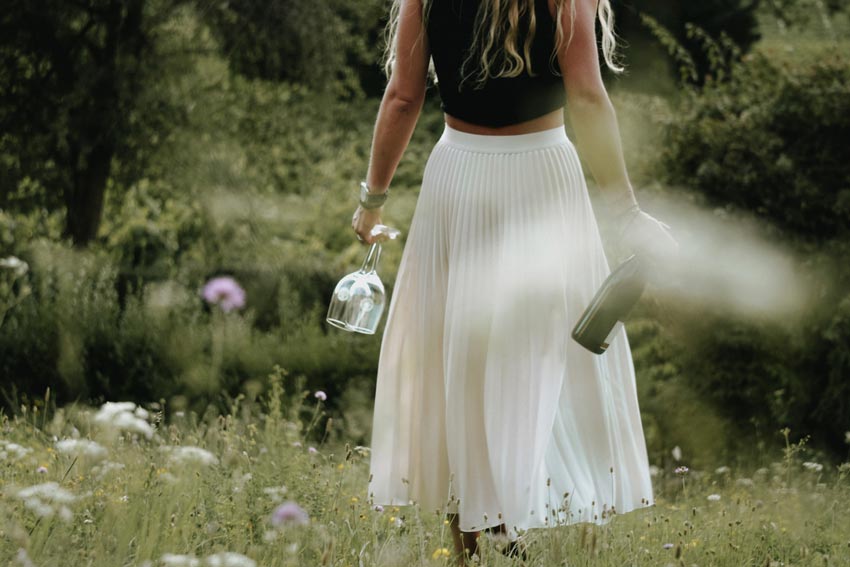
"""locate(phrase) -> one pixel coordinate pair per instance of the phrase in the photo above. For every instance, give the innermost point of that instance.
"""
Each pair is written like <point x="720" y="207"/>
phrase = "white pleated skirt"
<point x="484" y="404"/>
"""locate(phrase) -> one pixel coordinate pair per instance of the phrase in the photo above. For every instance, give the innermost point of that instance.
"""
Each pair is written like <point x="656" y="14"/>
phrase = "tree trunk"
<point x="85" y="200"/>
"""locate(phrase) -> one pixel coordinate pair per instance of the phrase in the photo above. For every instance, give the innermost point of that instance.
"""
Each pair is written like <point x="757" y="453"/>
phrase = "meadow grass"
<point x="129" y="489"/>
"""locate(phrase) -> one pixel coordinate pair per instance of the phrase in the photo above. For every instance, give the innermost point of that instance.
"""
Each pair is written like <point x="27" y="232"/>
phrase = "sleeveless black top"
<point x="500" y="101"/>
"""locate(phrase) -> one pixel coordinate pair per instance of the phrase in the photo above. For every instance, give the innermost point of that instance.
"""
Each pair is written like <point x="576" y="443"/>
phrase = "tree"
<point x="71" y="73"/>
<point x="735" y="18"/>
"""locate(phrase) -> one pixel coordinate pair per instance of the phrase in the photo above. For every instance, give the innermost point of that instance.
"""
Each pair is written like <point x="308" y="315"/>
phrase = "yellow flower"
<point x="391" y="519"/>
<point x="441" y="552"/>
<point x="341" y="466"/>
<point x="354" y="499"/>
<point x="446" y="522"/>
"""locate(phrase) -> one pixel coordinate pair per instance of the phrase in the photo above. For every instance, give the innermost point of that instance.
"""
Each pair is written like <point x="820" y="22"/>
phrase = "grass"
<point x="138" y="501"/>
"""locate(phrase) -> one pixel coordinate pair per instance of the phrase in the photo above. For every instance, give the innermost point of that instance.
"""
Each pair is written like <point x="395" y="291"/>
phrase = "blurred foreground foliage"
<point x="246" y="164"/>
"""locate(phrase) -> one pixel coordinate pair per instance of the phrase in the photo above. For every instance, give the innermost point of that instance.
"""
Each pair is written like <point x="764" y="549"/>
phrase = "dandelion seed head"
<point x="320" y="395"/>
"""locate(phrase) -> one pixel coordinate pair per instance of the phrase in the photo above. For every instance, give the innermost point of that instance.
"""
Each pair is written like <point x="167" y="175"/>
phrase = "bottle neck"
<point x="370" y="264"/>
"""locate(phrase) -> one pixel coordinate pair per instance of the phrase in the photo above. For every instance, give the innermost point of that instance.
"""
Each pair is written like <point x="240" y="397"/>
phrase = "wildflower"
<point x="441" y="552"/>
<point x="106" y="467"/>
<point x="23" y="558"/>
<point x="816" y="467"/>
<point x="297" y="444"/>
<point x="229" y="559"/>
<point x="681" y="470"/>
<point x="15" y="264"/>
<point x="321" y="395"/>
<point x="9" y="450"/>
<point x="225" y="292"/>
<point x="82" y="448"/>
<point x="174" y="560"/>
<point x="188" y="454"/>
<point x="41" y="470"/>
<point x="744" y="482"/>
<point x="289" y="513"/>
<point x="124" y="416"/>
<point x="379" y="508"/>
<point x="47" y="499"/>
<point x="677" y="453"/>
<point x="667" y="546"/>
<point x="713" y="497"/>
<point x="654" y="470"/>
<point x="723" y="470"/>
<point x="312" y="450"/>
<point x="276" y="492"/>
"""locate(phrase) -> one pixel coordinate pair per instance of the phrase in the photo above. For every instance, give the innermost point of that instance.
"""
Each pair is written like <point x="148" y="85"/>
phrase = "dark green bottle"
<point x="598" y="325"/>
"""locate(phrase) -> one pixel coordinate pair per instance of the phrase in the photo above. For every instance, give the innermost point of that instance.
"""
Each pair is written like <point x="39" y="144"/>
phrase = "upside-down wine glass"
<point x="358" y="299"/>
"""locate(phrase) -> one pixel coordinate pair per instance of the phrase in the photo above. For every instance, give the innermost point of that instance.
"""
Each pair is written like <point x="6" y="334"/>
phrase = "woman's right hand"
<point x="647" y="236"/>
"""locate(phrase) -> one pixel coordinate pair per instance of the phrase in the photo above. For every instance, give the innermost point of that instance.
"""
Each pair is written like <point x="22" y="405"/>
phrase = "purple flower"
<point x="379" y="508"/>
<point x="289" y="513"/>
<point x="683" y="470"/>
<point x="321" y="395"/>
<point x="312" y="450"/>
<point x="225" y="292"/>
<point x="41" y="470"/>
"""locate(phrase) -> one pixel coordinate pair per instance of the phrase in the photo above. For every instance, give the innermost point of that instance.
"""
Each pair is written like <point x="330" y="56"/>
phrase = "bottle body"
<point x="603" y="318"/>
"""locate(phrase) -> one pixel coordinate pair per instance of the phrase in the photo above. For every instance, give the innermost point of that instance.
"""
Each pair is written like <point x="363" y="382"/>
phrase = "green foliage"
<point x="768" y="141"/>
<point x="641" y="23"/>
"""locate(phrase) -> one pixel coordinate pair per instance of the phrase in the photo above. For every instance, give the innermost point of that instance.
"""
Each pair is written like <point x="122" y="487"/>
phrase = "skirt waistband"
<point x="511" y="143"/>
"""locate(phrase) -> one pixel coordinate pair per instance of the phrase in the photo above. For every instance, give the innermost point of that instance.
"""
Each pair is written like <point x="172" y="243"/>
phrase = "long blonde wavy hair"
<point x="497" y="25"/>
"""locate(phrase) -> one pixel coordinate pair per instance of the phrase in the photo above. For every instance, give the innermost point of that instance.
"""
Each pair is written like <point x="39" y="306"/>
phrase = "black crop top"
<point x="500" y="101"/>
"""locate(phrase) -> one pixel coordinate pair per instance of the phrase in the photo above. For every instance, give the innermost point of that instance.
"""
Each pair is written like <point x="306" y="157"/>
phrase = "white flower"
<point x="816" y="467"/>
<point x="654" y="470"/>
<point x="175" y="560"/>
<point x="229" y="559"/>
<point x="723" y="470"/>
<point x="677" y="453"/>
<point x="124" y="416"/>
<point x="47" y="499"/>
<point x="362" y="451"/>
<point x="276" y="493"/>
<point x="105" y="468"/>
<point x="188" y="454"/>
<point x="15" y="264"/>
<point x="713" y="497"/>
<point x="9" y="450"/>
<point x="82" y="448"/>
<point x="23" y="558"/>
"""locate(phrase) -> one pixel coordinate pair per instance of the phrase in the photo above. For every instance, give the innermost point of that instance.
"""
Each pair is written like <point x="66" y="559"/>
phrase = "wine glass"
<point x="358" y="299"/>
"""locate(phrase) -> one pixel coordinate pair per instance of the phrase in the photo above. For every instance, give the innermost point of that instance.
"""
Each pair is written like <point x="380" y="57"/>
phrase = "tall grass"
<point x="139" y="499"/>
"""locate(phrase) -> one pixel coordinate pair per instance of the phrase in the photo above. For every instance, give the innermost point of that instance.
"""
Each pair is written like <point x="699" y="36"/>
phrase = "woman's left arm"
<point x="399" y="111"/>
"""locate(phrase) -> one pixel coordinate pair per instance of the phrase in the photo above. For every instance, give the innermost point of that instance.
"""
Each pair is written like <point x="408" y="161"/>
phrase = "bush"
<point x="770" y="141"/>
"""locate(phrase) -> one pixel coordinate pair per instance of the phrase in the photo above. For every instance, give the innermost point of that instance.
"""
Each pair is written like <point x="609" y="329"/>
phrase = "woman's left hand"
<point x="363" y="221"/>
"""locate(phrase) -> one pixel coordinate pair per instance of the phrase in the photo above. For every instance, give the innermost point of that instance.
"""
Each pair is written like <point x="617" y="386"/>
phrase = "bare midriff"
<point x="545" y="122"/>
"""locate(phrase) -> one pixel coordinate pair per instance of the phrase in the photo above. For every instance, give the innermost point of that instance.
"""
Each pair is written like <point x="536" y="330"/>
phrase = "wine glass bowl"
<point x="358" y="299"/>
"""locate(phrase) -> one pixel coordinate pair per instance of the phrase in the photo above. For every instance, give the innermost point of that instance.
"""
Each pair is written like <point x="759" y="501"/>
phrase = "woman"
<point x="485" y="410"/>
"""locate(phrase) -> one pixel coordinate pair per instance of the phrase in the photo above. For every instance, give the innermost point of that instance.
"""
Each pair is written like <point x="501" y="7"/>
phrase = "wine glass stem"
<point x="370" y="264"/>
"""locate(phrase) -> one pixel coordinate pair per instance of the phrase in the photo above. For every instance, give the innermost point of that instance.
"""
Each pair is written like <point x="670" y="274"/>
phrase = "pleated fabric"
<point x="484" y="404"/>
